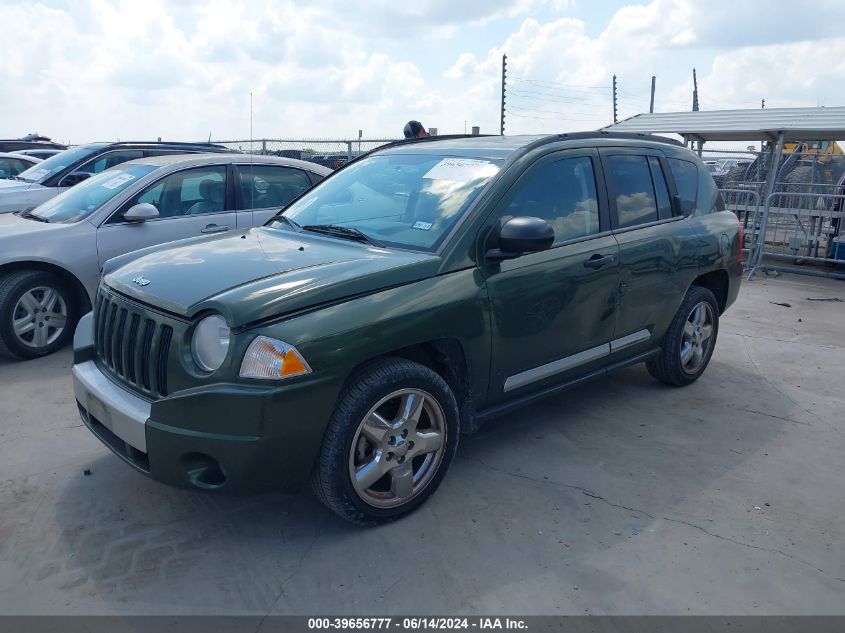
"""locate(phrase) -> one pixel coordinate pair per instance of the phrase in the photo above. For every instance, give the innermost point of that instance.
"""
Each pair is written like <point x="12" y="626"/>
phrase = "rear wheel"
<point x="389" y="443"/>
<point x="690" y="340"/>
<point x="37" y="314"/>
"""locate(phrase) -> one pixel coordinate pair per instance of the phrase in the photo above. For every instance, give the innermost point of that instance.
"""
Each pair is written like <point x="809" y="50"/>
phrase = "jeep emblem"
<point x="141" y="281"/>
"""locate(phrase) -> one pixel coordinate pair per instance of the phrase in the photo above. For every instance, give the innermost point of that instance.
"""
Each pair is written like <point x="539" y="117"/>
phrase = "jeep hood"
<point x="264" y="273"/>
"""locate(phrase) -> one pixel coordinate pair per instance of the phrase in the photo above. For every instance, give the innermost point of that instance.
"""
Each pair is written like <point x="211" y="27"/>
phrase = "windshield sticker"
<point x="422" y="226"/>
<point x="461" y="169"/>
<point x="38" y="173"/>
<point x="115" y="182"/>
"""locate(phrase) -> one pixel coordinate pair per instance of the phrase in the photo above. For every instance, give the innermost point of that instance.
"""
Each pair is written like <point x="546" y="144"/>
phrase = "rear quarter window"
<point x="685" y="175"/>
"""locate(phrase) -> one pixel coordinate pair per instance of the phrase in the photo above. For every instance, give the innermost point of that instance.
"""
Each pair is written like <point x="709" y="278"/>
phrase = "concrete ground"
<point x="621" y="497"/>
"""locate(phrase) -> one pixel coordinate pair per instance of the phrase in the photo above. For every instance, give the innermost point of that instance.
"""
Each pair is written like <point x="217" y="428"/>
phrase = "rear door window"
<point x="664" y="207"/>
<point x="632" y="190"/>
<point x="269" y="186"/>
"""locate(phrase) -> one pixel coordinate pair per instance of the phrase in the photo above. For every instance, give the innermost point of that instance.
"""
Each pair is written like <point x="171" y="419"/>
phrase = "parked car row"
<point x="57" y="173"/>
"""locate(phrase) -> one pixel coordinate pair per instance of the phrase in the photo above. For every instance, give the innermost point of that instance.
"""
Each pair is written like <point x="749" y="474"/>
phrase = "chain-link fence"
<point x="332" y="153"/>
<point x="800" y="221"/>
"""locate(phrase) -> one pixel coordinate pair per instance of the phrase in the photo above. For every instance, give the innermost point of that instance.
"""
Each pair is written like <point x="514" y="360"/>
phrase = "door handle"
<point x="214" y="228"/>
<point x="597" y="261"/>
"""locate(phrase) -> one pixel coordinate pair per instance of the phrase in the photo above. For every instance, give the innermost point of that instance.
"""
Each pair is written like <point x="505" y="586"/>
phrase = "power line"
<point x="556" y="99"/>
<point x="563" y="112"/>
<point x="556" y="85"/>
<point x="551" y="118"/>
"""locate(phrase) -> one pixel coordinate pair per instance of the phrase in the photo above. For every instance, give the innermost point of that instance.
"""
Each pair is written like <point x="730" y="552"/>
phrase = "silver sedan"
<point x="51" y="256"/>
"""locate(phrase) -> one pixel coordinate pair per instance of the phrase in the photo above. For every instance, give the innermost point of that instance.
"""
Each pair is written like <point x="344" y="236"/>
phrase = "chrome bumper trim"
<point x="120" y="411"/>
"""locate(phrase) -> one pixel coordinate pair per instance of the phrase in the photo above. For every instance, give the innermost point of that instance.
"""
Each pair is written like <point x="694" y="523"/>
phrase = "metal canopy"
<point x="796" y="124"/>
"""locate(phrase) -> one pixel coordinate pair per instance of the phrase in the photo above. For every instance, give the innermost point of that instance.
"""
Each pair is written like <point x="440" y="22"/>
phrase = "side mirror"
<point x="141" y="213"/>
<point x="522" y="235"/>
<point x="75" y="178"/>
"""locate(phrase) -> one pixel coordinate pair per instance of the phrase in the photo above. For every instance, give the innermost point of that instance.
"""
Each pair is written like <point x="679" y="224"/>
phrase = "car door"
<point x="265" y="189"/>
<point x="656" y="247"/>
<point x="553" y="311"/>
<point x="191" y="202"/>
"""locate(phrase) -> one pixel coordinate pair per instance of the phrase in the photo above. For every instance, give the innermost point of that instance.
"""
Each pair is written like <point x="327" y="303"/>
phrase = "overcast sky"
<point x="81" y="70"/>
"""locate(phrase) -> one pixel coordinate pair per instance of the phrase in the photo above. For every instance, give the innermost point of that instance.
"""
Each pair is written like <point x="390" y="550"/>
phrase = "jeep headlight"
<point x="271" y="359"/>
<point x="210" y="342"/>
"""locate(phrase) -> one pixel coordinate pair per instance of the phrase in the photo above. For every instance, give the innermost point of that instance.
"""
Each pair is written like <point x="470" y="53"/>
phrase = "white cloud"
<point x="97" y="69"/>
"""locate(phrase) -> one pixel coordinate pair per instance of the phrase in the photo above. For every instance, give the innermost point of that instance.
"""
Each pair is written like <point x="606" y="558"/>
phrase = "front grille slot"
<point x="163" y="353"/>
<point x="117" y="352"/>
<point x="149" y="330"/>
<point x="131" y="345"/>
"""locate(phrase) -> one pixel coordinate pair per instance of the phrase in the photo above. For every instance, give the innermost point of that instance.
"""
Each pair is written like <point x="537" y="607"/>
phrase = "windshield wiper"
<point x="29" y="215"/>
<point x="282" y="217"/>
<point x="344" y="232"/>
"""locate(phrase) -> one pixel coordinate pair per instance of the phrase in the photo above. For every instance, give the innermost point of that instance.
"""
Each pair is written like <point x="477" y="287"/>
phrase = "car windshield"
<point x="78" y="202"/>
<point x="56" y="163"/>
<point x="404" y="200"/>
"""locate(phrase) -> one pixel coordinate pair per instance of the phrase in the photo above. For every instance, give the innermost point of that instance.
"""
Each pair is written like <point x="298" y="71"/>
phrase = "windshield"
<point x="56" y="163"/>
<point x="404" y="200"/>
<point x="78" y="202"/>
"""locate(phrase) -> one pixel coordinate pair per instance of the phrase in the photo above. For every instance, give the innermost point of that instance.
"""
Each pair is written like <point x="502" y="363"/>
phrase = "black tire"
<point x="668" y="367"/>
<point x="331" y="478"/>
<point x="15" y="285"/>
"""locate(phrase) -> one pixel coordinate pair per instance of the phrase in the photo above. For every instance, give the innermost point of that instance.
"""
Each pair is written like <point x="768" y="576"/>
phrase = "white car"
<point x="51" y="256"/>
<point x="40" y="154"/>
<point x="57" y="173"/>
<point x="12" y="164"/>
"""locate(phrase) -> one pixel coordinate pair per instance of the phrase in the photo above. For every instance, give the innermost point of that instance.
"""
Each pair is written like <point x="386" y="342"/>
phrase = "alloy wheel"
<point x="397" y="448"/>
<point x="697" y="337"/>
<point x="40" y="317"/>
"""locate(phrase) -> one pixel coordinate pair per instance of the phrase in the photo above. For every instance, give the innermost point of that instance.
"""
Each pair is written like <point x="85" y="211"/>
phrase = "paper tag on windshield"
<point x="115" y="182"/>
<point x="461" y="169"/>
<point x="422" y="226"/>
<point x="38" y="173"/>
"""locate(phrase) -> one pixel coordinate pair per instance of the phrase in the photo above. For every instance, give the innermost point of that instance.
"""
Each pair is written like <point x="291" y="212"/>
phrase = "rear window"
<point x="685" y="175"/>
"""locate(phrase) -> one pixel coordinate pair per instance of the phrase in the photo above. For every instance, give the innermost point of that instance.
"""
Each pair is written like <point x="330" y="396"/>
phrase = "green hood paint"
<point x="264" y="273"/>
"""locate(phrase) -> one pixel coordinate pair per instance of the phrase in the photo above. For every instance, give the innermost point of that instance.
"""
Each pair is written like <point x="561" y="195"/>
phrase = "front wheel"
<point x="389" y="443"/>
<point x="690" y="340"/>
<point x="37" y="314"/>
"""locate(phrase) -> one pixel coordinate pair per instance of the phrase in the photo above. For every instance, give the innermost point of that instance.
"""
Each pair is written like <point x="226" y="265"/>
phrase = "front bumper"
<point x="225" y="437"/>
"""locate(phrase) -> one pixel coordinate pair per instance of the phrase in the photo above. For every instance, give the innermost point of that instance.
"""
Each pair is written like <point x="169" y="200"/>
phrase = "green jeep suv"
<point x="413" y="294"/>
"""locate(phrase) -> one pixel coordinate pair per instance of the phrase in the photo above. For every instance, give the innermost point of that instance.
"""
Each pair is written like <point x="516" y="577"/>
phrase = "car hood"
<point x="12" y="226"/>
<point x="264" y="273"/>
<point x="8" y="185"/>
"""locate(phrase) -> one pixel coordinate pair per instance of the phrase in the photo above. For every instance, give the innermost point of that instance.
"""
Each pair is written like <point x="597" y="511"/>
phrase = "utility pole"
<point x="762" y="104"/>
<point x="694" y="92"/>
<point x="504" y="84"/>
<point x="615" y="115"/>
<point x="651" y="104"/>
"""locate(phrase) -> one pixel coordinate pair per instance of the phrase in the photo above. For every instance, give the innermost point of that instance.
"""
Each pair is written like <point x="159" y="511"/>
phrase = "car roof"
<point x="187" y="160"/>
<point x="157" y="145"/>
<point x="21" y="156"/>
<point x="503" y="146"/>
